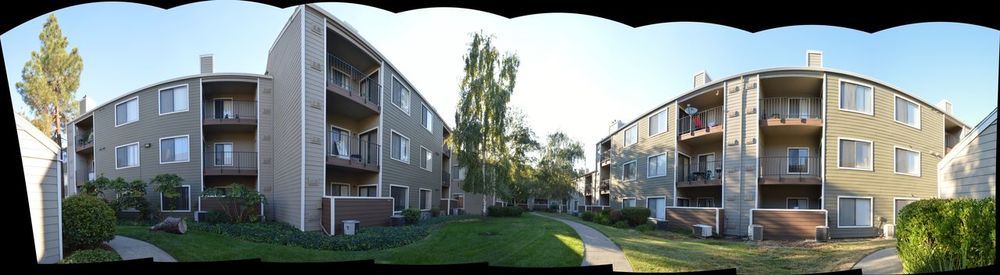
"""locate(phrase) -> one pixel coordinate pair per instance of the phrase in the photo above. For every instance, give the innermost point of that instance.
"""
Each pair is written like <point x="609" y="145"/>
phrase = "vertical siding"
<point x="41" y="178"/>
<point x="973" y="170"/>
<point x="284" y="64"/>
<point x="646" y="146"/>
<point x="265" y="142"/>
<point x="882" y="183"/>
<point x="315" y="91"/>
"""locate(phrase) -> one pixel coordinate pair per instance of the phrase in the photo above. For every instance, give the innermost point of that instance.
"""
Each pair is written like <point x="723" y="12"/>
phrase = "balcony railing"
<point x="230" y="163"/>
<point x="356" y="150"/>
<point x="704" y="172"/>
<point x="791" y="108"/>
<point x="708" y="118"/>
<point x="789" y="167"/>
<point x="445" y="179"/>
<point x="605" y="185"/>
<point x="230" y="110"/>
<point x="85" y="140"/>
<point x="605" y="156"/>
<point x="357" y="84"/>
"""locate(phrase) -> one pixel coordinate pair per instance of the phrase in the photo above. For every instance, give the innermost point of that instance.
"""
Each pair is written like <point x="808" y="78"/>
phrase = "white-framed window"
<point x="173" y="99"/>
<point x="907" y="162"/>
<point x="400" y="147"/>
<point x="175" y="149"/>
<point x="656" y="166"/>
<point x="685" y="202"/>
<point x="426" y="118"/>
<point x="658" y="123"/>
<point x="631" y="135"/>
<point x="628" y="170"/>
<point x="400" y="96"/>
<point x="127" y="156"/>
<point x="338" y="189"/>
<point x="368" y="191"/>
<point x="706" y="202"/>
<point x="181" y="203"/>
<point x="628" y="202"/>
<point x="854" y="154"/>
<point x="906" y="112"/>
<point x="657" y="207"/>
<point x="854" y="212"/>
<point x="127" y="111"/>
<point x="797" y="203"/>
<point x="400" y="197"/>
<point x="425" y="199"/>
<point x="856" y="97"/>
<point x="426" y="158"/>
<point x="339" y="144"/>
<point x="798" y="160"/>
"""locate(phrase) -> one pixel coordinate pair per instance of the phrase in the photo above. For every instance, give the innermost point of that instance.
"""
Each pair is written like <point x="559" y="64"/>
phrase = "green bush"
<point x="239" y="203"/>
<point x="87" y="222"/>
<point x="411" y="215"/>
<point x="435" y="211"/>
<point x="615" y="215"/>
<point x="588" y="216"/>
<point x="91" y="256"/>
<point x="621" y="224"/>
<point x="553" y="208"/>
<point x="645" y="227"/>
<point x="946" y="234"/>
<point x="504" y="211"/>
<point x="602" y="219"/>
<point x="216" y="216"/>
<point x="635" y="216"/>
<point x="606" y="211"/>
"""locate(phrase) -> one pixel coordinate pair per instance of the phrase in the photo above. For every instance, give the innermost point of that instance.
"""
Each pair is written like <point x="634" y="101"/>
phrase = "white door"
<point x="658" y="206"/>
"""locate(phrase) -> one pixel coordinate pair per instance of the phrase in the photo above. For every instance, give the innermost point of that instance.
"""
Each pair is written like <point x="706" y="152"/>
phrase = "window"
<point x="797" y="203"/>
<point x="427" y="157"/>
<point x="182" y="203"/>
<point x="683" y="202"/>
<point x="338" y="189"/>
<point x="400" y="197"/>
<point x="127" y="156"/>
<point x="425" y="199"/>
<point x="656" y="166"/>
<point x="657" y="208"/>
<point x="907" y="162"/>
<point x="855" y="154"/>
<point x="856" y="98"/>
<point x="854" y="212"/>
<point x="400" y="96"/>
<point x="630" y="135"/>
<point x="224" y="154"/>
<point x="628" y="171"/>
<point x="706" y="202"/>
<point x="174" y="149"/>
<point x="367" y="191"/>
<point x="426" y="119"/>
<point x="798" y="160"/>
<point x="628" y="202"/>
<point x="907" y="112"/>
<point x="658" y="123"/>
<point x="127" y="112"/>
<point x="400" y="147"/>
<point x="338" y="146"/>
<point x="174" y="100"/>
<point x="459" y="200"/>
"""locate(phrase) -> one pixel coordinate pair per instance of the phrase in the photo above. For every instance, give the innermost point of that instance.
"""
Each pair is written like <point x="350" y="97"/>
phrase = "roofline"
<point x="780" y="69"/>
<point x="246" y="75"/>
<point x="966" y="139"/>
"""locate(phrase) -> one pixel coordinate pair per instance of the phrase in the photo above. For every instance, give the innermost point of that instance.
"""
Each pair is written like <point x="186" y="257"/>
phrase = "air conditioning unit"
<point x="701" y="230"/>
<point x="889" y="231"/>
<point x="756" y="232"/>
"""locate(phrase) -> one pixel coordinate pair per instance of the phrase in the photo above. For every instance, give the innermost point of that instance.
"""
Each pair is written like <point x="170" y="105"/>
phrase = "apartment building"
<point x="330" y="132"/>
<point x="788" y="149"/>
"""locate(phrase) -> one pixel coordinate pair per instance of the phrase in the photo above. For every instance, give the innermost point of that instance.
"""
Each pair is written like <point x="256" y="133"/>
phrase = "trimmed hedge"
<point x="588" y="216"/>
<point x="635" y="216"/>
<point x="946" y="234"/>
<point x="411" y="215"/>
<point x="91" y="256"/>
<point x="616" y="215"/>
<point x="87" y="221"/>
<point x="504" y="211"/>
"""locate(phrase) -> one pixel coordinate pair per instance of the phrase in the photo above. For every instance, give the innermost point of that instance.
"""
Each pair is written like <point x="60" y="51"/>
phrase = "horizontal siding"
<point x="41" y="178"/>
<point x="789" y="225"/>
<point x="972" y="172"/>
<point x="265" y="141"/>
<point x="285" y="65"/>
<point x="315" y="133"/>
<point x="646" y="146"/>
<point x="685" y="218"/>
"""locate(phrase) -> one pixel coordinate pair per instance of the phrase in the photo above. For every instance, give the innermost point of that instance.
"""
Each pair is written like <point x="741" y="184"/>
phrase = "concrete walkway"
<point x="885" y="261"/>
<point x="597" y="248"/>
<point x="131" y="249"/>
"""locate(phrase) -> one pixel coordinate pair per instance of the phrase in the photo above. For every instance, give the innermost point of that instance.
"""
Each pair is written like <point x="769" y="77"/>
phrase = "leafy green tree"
<point x="555" y="169"/>
<point x="50" y="79"/>
<point x="522" y="149"/>
<point x="239" y="203"/>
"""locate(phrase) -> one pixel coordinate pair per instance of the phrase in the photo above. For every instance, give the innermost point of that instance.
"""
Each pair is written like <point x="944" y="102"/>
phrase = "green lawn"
<point x="660" y="251"/>
<point x="528" y="241"/>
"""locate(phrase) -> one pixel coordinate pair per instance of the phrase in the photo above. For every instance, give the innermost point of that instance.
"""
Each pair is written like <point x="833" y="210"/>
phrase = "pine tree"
<point x="49" y="81"/>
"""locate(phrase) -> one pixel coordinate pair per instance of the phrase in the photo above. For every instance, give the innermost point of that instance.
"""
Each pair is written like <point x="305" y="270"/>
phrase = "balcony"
<point x="445" y="179"/>
<point x="352" y="153"/>
<point x="606" y="157"/>
<point x="701" y="176"/>
<point x="230" y="163"/>
<point x="707" y="122"/>
<point x="604" y="186"/>
<point x="588" y="190"/>
<point x="791" y="111"/>
<point x="85" y="144"/>
<point x="229" y="112"/>
<point x="790" y="170"/>
<point x="359" y="90"/>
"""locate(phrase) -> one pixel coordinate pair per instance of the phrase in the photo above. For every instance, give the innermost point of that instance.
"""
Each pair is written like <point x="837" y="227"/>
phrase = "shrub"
<point x="635" y="216"/>
<point x="946" y="234"/>
<point x="606" y="211"/>
<point x="435" y="211"/>
<point x="645" y="227"/>
<point x="411" y="215"/>
<point x="616" y="215"/>
<point x="602" y="219"/>
<point x="621" y="224"/>
<point x="553" y="208"/>
<point x="504" y="211"/>
<point x="130" y="195"/>
<point x="91" y="256"/>
<point x="587" y="216"/>
<point x="216" y="216"/>
<point x="87" y="221"/>
<point x="239" y="203"/>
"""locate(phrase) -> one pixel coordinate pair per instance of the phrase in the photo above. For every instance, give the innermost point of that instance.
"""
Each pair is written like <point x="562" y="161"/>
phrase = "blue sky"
<point x="577" y="72"/>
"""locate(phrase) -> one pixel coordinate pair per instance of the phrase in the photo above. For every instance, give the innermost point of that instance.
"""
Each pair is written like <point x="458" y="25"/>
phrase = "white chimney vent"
<point x="615" y="125"/>
<point x="86" y="104"/>
<point x="206" y="63"/>
<point x="814" y="59"/>
<point x="701" y="78"/>
<point x="945" y="105"/>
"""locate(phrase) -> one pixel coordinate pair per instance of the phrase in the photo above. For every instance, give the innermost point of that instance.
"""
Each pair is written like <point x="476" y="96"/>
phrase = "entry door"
<point x="658" y="206"/>
<point x="366" y="146"/>
<point x="223" y="108"/>
<point x="224" y="154"/>
<point x="685" y="167"/>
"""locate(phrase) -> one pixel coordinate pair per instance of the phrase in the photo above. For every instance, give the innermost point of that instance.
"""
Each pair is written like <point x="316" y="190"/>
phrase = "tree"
<point x="49" y="81"/>
<point x="479" y="140"/>
<point x="521" y="150"/>
<point x="555" y="169"/>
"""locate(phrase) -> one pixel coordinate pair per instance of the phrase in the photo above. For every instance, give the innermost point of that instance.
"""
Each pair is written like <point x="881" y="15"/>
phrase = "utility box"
<point x="889" y="231"/>
<point x="756" y="232"/>
<point x="822" y="233"/>
<point x="350" y="227"/>
<point x="701" y="230"/>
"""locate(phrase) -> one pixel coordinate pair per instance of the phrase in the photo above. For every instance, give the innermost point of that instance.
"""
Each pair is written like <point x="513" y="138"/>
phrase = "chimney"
<point x="206" y="63"/>
<point x="86" y="104"/>
<point x="615" y="125"/>
<point x="945" y="105"/>
<point x="701" y="78"/>
<point x="814" y="59"/>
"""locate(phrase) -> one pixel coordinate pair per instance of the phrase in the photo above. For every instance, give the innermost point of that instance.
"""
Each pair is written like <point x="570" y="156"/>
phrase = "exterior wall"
<point x="354" y="179"/>
<point x="265" y="143"/>
<point x="971" y="170"/>
<point x="789" y="224"/>
<point x="645" y="146"/>
<point x="882" y="184"/>
<point x="40" y="160"/>
<point x="285" y="65"/>
<point x="774" y="196"/>
<point x="778" y="145"/>
<point x="684" y="218"/>
<point x="243" y="141"/>
<point x="693" y="193"/>
<point x="370" y="212"/>
<point x="740" y="160"/>
<point x="314" y="121"/>
<point x="219" y="181"/>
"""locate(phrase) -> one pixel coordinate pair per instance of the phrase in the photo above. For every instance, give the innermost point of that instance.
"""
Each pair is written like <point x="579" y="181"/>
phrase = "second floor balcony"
<point x="229" y="112"/>
<point x="230" y="163"/>
<point x="85" y="142"/>
<point x="702" y="173"/>
<point x="783" y="111"/>
<point x="360" y="91"/>
<point x="604" y="186"/>
<point x="795" y="170"/>
<point x="352" y="152"/>
<point x="605" y="158"/>
<point x="702" y="123"/>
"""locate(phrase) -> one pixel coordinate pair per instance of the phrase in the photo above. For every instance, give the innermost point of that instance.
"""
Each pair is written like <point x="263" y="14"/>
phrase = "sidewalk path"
<point x="131" y="249"/>
<point x="597" y="248"/>
<point x="885" y="261"/>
